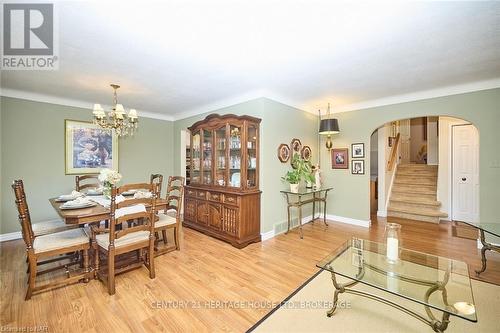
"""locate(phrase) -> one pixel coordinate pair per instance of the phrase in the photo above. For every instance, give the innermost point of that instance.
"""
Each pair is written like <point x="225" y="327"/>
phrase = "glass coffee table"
<point x="492" y="229"/>
<point x="435" y="282"/>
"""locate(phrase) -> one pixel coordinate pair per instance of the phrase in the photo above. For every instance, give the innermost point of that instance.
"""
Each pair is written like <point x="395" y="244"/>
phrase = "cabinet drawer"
<point x="202" y="194"/>
<point x="213" y="196"/>
<point x="231" y="199"/>
<point x="190" y="193"/>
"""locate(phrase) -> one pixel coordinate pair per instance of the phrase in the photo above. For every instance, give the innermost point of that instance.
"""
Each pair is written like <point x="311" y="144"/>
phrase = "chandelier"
<point x="117" y="118"/>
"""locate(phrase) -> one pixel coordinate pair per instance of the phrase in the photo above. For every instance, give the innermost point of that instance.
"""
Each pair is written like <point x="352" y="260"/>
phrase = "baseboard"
<point x="348" y="220"/>
<point x="267" y="235"/>
<point x="10" y="236"/>
<point x="307" y="219"/>
<point x="382" y="213"/>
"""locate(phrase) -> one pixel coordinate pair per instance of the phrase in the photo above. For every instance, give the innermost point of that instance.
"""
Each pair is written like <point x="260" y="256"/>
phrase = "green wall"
<point x="350" y="197"/>
<point x="32" y="148"/>
<point x="280" y="124"/>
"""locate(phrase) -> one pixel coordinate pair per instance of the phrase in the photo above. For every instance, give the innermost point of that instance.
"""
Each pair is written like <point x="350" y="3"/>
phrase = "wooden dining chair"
<point x="119" y="239"/>
<point x="52" y="245"/>
<point x="158" y="179"/>
<point x="86" y="182"/>
<point x="47" y="227"/>
<point x="171" y="217"/>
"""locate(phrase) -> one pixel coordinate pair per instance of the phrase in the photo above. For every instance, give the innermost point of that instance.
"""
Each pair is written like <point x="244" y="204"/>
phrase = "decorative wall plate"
<point x="283" y="153"/>
<point x="306" y="153"/>
<point x="296" y="146"/>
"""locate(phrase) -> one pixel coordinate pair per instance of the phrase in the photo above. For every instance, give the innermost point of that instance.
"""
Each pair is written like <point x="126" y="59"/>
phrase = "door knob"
<point x="464" y="179"/>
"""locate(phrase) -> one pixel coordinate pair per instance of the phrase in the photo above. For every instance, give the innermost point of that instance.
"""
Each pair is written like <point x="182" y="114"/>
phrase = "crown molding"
<point x="419" y="95"/>
<point x="36" y="97"/>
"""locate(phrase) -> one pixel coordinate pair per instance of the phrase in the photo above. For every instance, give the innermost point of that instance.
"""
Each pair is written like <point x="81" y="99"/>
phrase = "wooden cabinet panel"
<point x="202" y="212"/>
<point x="231" y="199"/>
<point x="190" y="193"/>
<point x="230" y="220"/>
<point x="215" y="216"/>
<point x="190" y="209"/>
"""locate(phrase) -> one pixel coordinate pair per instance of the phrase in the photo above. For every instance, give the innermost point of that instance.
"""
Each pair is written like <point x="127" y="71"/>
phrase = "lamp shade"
<point x="329" y="126"/>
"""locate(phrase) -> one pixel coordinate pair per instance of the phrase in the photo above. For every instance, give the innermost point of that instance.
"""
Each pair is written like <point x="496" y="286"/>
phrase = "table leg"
<point x="486" y="247"/>
<point x="314" y="207"/>
<point x="288" y="214"/>
<point x="300" y="218"/>
<point x="324" y="209"/>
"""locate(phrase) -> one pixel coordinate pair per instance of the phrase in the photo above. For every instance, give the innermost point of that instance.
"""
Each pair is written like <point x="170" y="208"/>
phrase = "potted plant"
<point x="302" y="170"/>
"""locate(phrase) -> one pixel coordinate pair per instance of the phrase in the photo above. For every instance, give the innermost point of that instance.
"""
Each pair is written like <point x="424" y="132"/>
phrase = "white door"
<point x="404" y="151"/>
<point x="465" y="174"/>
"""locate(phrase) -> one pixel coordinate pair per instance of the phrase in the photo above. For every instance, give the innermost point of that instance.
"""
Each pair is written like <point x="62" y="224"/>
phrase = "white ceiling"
<point x="182" y="57"/>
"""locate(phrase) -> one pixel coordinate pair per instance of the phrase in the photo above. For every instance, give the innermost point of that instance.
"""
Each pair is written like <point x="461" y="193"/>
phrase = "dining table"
<point x="92" y="214"/>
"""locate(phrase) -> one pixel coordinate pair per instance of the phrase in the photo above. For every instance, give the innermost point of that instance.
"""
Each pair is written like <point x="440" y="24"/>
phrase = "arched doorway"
<point x="426" y="169"/>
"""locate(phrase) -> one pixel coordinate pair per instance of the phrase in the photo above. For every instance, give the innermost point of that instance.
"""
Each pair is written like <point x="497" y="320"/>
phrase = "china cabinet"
<point x="223" y="197"/>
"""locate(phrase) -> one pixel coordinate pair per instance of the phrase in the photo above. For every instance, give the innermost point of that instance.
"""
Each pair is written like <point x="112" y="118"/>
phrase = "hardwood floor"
<point x="203" y="272"/>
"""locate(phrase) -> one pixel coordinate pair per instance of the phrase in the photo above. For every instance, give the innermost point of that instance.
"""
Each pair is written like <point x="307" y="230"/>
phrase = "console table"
<point x="492" y="229"/>
<point x="415" y="277"/>
<point x="299" y="202"/>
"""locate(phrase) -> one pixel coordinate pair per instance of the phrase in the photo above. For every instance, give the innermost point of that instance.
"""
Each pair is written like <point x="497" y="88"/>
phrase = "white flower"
<point x="109" y="176"/>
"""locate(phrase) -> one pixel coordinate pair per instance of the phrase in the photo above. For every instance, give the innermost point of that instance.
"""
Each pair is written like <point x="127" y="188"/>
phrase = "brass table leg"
<point x="437" y="325"/>
<point x="324" y="208"/>
<point x="486" y="247"/>
<point x="300" y="217"/>
<point x="314" y="207"/>
<point x="288" y="213"/>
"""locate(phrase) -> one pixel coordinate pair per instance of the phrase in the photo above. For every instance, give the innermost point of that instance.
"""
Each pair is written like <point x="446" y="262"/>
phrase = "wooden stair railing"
<point x="394" y="154"/>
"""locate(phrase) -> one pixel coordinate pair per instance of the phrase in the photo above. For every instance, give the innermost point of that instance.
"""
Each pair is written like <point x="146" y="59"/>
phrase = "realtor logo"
<point x="28" y="37"/>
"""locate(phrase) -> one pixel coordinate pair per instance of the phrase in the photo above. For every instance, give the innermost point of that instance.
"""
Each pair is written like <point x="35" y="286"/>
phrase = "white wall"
<point x="445" y="162"/>
<point x="384" y="177"/>
<point x="432" y="141"/>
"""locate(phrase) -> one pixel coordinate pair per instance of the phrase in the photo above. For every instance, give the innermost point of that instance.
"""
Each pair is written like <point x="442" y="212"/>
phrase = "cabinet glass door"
<point x="207" y="157"/>
<point x="195" y="157"/>
<point x="251" y="147"/>
<point x="220" y="157"/>
<point x="235" y="156"/>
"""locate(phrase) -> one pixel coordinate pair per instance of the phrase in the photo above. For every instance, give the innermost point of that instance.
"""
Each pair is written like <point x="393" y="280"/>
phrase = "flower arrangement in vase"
<point x="108" y="179"/>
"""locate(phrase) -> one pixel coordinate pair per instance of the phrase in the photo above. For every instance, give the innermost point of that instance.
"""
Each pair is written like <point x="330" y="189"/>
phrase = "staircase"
<point x="413" y="194"/>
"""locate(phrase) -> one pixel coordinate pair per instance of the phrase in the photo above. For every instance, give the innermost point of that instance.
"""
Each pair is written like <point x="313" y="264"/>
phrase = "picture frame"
<point x="358" y="167"/>
<point x="340" y="158"/>
<point x="357" y="150"/>
<point x="306" y="153"/>
<point x="89" y="148"/>
<point x="283" y="153"/>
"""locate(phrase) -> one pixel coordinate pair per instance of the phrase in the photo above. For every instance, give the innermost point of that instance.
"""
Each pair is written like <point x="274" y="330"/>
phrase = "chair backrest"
<point x="123" y="211"/>
<point x="158" y="179"/>
<point x="86" y="181"/>
<point x="175" y="193"/>
<point x="24" y="213"/>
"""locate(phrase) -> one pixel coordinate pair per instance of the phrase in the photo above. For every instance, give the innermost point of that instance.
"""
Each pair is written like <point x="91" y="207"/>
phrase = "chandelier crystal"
<point x="117" y="118"/>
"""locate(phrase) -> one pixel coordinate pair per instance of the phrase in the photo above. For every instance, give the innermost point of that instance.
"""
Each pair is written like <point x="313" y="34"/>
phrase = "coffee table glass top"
<point x="303" y="191"/>
<point x="415" y="276"/>
<point x="491" y="228"/>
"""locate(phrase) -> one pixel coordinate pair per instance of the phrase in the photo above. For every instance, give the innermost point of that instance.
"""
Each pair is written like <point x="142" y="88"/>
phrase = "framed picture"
<point x="340" y="158"/>
<point x="306" y="153"/>
<point x="358" y="150"/>
<point x="89" y="148"/>
<point x="283" y="153"/>
<point x="358" y="167"/>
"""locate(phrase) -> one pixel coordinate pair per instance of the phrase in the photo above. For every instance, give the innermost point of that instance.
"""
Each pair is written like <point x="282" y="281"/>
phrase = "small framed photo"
<point x="358" y="150"/>
<point x="358" y="167"/>
<point x="340" y="158"/>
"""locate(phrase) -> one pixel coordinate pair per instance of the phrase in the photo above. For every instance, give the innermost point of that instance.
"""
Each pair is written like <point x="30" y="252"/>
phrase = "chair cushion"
<point x="133" y="237"/>
<point x="60" y="240"/>
<point x="165" y="219"/>
<point x="49" y="227"/>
